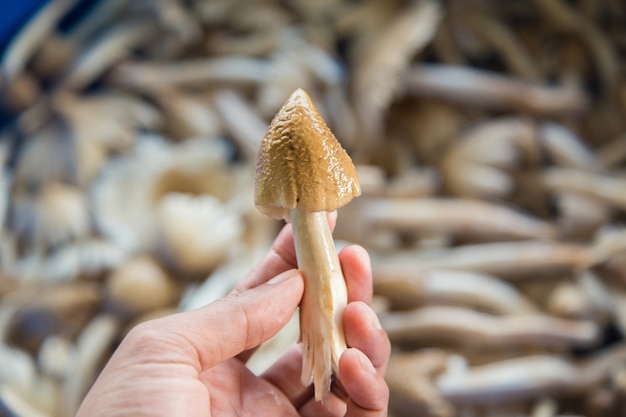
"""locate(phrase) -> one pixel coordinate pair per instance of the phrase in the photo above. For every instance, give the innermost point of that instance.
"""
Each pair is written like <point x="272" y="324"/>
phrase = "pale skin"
<point x="193" y="363"/>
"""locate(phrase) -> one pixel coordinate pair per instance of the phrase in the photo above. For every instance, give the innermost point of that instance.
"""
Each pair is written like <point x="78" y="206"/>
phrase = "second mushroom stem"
<point x="325" y="297"/>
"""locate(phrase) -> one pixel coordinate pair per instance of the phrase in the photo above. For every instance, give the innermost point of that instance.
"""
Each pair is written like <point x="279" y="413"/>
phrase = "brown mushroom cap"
<point x="301" y="164"/>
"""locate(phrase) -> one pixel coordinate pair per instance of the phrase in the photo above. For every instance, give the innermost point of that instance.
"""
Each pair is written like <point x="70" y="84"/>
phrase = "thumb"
<point x="238" y="322"/>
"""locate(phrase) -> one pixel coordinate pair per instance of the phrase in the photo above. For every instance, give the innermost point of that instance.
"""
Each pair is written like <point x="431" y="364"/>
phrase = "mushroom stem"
<point x="482" y="89"/>
<point x="454" y="325"/>
<point x="325" y="296"/>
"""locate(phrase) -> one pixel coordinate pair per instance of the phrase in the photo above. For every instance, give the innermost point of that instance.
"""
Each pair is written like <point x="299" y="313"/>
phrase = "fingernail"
<point x="374" y="319"/>
<point x="366" y="365"/>
<point x="283" y="277"/>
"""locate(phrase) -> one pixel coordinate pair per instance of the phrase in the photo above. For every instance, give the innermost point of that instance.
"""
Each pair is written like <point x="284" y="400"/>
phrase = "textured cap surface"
<point x="301" y="164"/>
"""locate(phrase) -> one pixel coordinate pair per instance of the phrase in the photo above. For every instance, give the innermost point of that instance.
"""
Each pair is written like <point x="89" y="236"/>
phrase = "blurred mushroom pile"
<point x="490" y="142"/>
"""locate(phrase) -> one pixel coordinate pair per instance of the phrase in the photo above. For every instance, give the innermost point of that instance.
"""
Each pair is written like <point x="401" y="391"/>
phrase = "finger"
<point x="280" y="257"/>
<point x="228" y="326"/>
<point x="369" y="394"/>
<point x="364" y="332"/>
<point x="333" y="406"/>
<point x="357" y="271"/>
<point x="234" y="384"/>
<point x="285" y="374"/>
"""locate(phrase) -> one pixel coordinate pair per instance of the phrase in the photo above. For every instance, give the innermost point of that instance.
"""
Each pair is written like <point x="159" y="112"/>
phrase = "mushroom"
<point x="55" y="356"/>
<point x="474" y="88"/>
<point x="24" y="391"/>
<point x="241" y="119"/>
<point x="19" y="93"/>
<point x="87" y="258"/>
<point x="482" y="160"/>
<point x="109" y="120"/>
<point x="56" y="214"/>
<point x="411" y="379"/>
<point x="473" y="329"/>
<point x="92" y="347"/>
<point x="218" y="283"/>
<point x="382" y="60"/>
<point x="286" y="72"/>
<point x="565" y="19"/>
<point x="565" y="148"/>
<point x="186" y="115"/>
<point x="407" y="288"/>
<point x="127" y="196"/>
<point x="302" y="173"/>
<point x="607" y="188"/>
<point x="507" y="260"/>
<point x="59" y="47"/>
<point x="181" y="246"/>
<point x="569" y="300"/>
<point x="38" y="312"/>
<point x="579" y="214"/>
<point x="148" y="76"/>
<point x="267" y="354"/>
<point x="22" y="47"/>
<point x="529" y="376"/>
<point x="113" y="46"/>
<point x="141" y="285"/>
<point x="461" y="218"/>
<point x="500" y="37"/>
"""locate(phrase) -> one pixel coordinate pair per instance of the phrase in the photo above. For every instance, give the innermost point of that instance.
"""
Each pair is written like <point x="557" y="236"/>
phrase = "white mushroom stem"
<point x="464" y="217"/>
<point x="92" y="346"/>
<point x="190" y="73"/>
<point x="579" y="214"/>
<point x="108" y="50"/>
<point x="483" y="89"/>
<point x="325" y="296"/>
<point x="565" y="18"/>
<point x="411" y="379"/>
<point x="528" y="377"/>
<point x="609" y="189"/>
<point x="479" y="163"/>
<point x="502" y="39"/>
<point x="242" y="119"/>
<point x="566" y="148"/>
<point x="411" y="288"/>
<point x="10" y="398"/>
<point x="508" y="260"/>
<point x="515" y="378"/>
<point x="467" y="327"/>
<point x="29" y="38"/>
<point x="380" y="62"/>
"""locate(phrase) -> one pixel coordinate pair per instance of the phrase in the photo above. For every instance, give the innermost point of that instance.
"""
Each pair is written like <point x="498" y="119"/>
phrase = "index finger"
<point x="281" y="257"/>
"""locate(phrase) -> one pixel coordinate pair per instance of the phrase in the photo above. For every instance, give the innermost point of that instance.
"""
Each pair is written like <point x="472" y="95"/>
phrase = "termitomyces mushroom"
<point x="181" y="216"/>
<point x="302" y="173"/>
<point x="128" y="197"/>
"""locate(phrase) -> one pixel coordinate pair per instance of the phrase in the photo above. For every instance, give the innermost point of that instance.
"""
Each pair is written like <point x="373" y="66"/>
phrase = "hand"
<point x="193" y="363"/>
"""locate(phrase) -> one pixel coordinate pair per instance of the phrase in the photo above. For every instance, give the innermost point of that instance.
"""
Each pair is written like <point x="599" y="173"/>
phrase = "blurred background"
<point x="490" y="142"/>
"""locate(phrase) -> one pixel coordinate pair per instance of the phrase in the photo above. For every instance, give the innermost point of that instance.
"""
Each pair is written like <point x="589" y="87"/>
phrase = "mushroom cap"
<point x="301" y="164"/>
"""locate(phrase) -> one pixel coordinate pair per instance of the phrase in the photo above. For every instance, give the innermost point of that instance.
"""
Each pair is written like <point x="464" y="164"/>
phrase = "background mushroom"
<point x="490" y="143"/>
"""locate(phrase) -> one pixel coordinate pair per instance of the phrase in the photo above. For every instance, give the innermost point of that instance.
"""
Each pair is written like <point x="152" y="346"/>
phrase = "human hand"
<point x="193" y="363"/>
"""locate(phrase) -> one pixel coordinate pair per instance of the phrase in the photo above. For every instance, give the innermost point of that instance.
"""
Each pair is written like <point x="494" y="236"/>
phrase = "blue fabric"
<point x="13" y="15"/>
